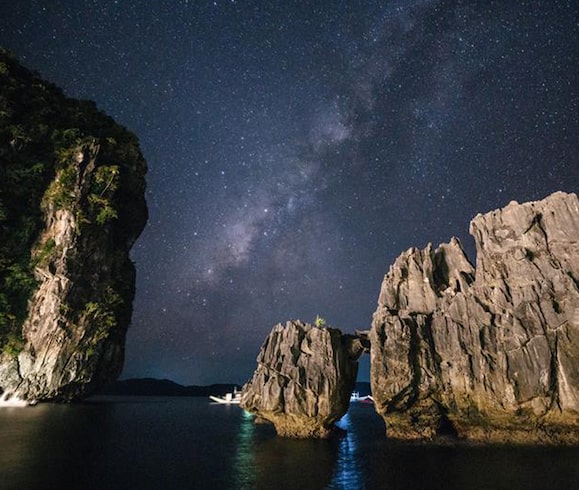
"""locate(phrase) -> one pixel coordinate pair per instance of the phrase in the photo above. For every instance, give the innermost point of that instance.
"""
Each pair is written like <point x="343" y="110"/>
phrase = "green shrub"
<point x="44" y="253"/>
<point x="62" y="191"/>
<point x="105" y="182"/>
<point x="102" y="314"/>
<point x="13" y="345"/>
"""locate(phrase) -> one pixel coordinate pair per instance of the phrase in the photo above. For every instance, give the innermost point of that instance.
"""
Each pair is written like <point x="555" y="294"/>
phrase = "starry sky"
<point x="296" y="148"/>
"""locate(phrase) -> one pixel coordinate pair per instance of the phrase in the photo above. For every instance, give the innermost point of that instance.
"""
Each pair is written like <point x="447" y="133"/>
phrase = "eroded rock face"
<point x="304" y="378"/>
<point x="71" y="206"/>
<point x="491" y="353"/>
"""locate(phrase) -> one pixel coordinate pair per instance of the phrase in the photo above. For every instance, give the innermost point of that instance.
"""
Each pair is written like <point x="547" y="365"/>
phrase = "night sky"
<point x="296" y="148"/>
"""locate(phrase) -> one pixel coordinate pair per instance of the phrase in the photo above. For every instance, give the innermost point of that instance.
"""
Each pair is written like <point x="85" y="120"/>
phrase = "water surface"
<point x="188" y="443"/>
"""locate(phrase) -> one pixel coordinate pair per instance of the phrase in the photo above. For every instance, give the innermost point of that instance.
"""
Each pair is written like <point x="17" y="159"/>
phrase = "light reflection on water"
<point x="244" y="462"/>
<point x="348" y="472"/>
<point x="274" y="462"/>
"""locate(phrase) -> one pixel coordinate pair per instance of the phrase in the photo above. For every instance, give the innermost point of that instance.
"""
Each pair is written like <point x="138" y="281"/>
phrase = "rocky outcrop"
<point x="304" y="378"/>
<point x="71" y="206"/>
<point x="488" y="353"/>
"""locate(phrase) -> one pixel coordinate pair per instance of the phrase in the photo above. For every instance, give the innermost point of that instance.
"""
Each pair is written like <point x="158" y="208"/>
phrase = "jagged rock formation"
<point x="71" y="206"/>
<point x="489" y="353"/>
<point x="304" y="378"/>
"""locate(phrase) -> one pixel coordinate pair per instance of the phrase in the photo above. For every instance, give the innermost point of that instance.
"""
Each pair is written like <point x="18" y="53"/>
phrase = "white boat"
<point x="228" y="398"/>
<point x="355" y="397"/>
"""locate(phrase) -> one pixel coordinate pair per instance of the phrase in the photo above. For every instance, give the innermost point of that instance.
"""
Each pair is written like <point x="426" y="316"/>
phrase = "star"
<point x="295" y="151"/>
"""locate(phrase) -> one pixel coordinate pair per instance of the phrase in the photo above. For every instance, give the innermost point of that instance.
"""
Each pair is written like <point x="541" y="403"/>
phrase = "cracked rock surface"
<point x="304" y="378"/>
<point x="72" y="204"/>
<point x="488" y="353"/>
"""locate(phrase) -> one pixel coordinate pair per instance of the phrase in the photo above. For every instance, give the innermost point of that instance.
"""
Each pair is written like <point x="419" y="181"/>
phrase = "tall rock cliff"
<point x="489" y="353"/>
<point x="71" y="206"/>
<point x="304" y="378"/>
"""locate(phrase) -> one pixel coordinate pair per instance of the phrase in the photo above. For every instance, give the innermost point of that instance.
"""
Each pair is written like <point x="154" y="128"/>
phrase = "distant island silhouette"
<point x="166" y="387"/>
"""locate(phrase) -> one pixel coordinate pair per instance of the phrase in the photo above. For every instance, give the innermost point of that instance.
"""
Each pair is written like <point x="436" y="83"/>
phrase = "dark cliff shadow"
<point x="49" y="446"/>
<point x="288" y="463"/>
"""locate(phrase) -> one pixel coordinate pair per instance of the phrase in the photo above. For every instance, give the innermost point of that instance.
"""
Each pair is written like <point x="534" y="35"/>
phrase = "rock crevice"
<point x="304" y="378"/>
<point x="71" y="206"/>
<point x="493" y="350"/>
<point x="487" y="353"/>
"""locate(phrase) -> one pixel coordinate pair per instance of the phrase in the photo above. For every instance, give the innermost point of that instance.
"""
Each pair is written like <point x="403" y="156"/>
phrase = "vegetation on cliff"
<point x="59" y="154"/>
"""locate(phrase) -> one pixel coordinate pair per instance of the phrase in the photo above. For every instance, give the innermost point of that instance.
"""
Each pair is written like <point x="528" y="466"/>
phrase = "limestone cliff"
<point x="304" y="378"/>
<point x="71" y="206"/>
<point x="489" y="353"/>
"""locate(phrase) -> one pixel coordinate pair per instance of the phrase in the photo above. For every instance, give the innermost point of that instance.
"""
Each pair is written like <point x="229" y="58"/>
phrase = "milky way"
<point x="296" y="148"/>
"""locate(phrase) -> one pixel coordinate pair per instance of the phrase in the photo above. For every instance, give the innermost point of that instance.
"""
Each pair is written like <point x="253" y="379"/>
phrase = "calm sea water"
<point x="187" y="443"/>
